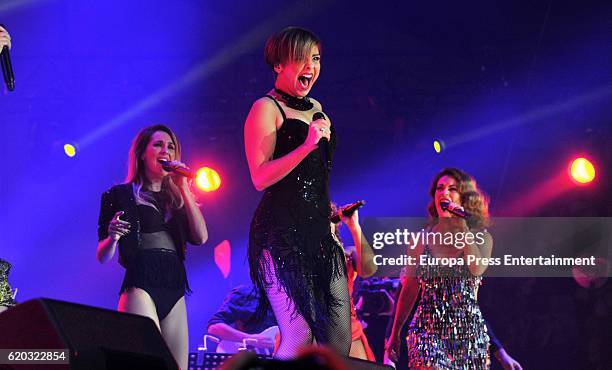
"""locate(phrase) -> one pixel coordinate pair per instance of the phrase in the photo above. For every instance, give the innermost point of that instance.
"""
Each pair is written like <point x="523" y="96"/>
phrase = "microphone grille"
<point x="318" y="115"/>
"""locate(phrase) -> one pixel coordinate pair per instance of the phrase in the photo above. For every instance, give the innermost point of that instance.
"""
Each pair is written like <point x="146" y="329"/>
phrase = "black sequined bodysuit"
<point x="447" y="330"/>
<point x="292" y="223"/>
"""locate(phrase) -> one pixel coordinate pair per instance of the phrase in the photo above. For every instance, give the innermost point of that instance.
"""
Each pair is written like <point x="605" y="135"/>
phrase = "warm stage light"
<point x="582" y="171"/>
<point x="438" y="146"/>
<point x="70" y="150"/>
<point x="208" y="179"/>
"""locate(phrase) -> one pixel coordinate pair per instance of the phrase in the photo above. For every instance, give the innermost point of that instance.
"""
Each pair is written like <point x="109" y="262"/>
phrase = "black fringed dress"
<point x="292" y="223"/>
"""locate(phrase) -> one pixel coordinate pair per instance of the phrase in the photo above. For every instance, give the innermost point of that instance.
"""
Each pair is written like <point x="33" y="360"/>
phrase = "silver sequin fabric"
<point x="6" y="293"/>
<point x="447" y="330"/>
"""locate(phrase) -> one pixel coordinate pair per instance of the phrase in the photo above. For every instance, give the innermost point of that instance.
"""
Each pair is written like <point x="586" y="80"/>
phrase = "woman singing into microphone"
<point x="149" y="218"/>
<point x="447" y="330"/>
<point x="295" y="262"/>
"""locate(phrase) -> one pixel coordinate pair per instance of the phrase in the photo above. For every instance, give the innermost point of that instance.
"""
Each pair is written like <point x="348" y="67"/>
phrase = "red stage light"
<point x="582" y="170"/>
<point x="207" y="179"/>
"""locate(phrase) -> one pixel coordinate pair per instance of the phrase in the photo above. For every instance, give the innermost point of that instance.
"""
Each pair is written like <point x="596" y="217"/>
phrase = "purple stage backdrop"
<point x="513" y="89"/>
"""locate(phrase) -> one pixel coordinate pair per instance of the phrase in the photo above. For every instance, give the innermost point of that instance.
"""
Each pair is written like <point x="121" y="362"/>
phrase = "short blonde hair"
<point x="293" y="44"/>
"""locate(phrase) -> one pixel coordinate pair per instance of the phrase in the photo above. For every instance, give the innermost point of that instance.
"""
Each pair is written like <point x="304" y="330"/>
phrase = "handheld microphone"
<point x="347" y="211"/>
<point x="323" y="145"/>
<point x="7" y="68"/>
<point x="453" y="208"/>
<point x="175" y="166"/>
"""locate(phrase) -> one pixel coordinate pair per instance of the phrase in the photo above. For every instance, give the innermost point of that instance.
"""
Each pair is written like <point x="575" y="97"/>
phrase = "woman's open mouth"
<point x="305" y="80"/>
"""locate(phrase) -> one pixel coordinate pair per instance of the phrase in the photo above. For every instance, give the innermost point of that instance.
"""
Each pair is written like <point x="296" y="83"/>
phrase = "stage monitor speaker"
<point x="97" y="338"/>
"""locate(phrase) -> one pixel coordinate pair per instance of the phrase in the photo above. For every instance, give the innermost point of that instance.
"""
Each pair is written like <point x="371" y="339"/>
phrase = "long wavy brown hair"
<point x="473" y="200"/>
<point x="136" y="172"/>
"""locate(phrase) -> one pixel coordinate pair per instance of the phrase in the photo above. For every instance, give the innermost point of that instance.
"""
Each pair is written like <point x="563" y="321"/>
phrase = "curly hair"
<point x="473" y="200"/>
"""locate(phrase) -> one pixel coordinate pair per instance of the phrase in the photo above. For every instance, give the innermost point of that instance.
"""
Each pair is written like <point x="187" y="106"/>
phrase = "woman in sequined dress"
<point x="294" y="260"/>
<point x="447" y="330"/>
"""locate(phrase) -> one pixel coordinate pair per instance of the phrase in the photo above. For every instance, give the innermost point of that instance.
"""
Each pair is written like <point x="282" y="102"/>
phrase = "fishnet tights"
<point x="295" y="331"/>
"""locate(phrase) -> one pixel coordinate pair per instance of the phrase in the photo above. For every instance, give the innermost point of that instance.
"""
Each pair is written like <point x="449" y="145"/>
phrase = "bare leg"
<point x="358" y="350"/>
<point x="175" y="332"/>
<point x="295" y="332"/>
<point x="139" y="302"/>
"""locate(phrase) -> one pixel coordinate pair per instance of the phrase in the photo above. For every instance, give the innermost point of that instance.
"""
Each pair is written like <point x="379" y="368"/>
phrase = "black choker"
<point x="292" y="102"/>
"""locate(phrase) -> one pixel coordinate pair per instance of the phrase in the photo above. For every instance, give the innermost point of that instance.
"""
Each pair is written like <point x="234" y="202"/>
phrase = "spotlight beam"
<point x="10" y="5"/>
<point x="532" y="116"/>
<point x="538" y="196"/>
<point x="252" y="40"/>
